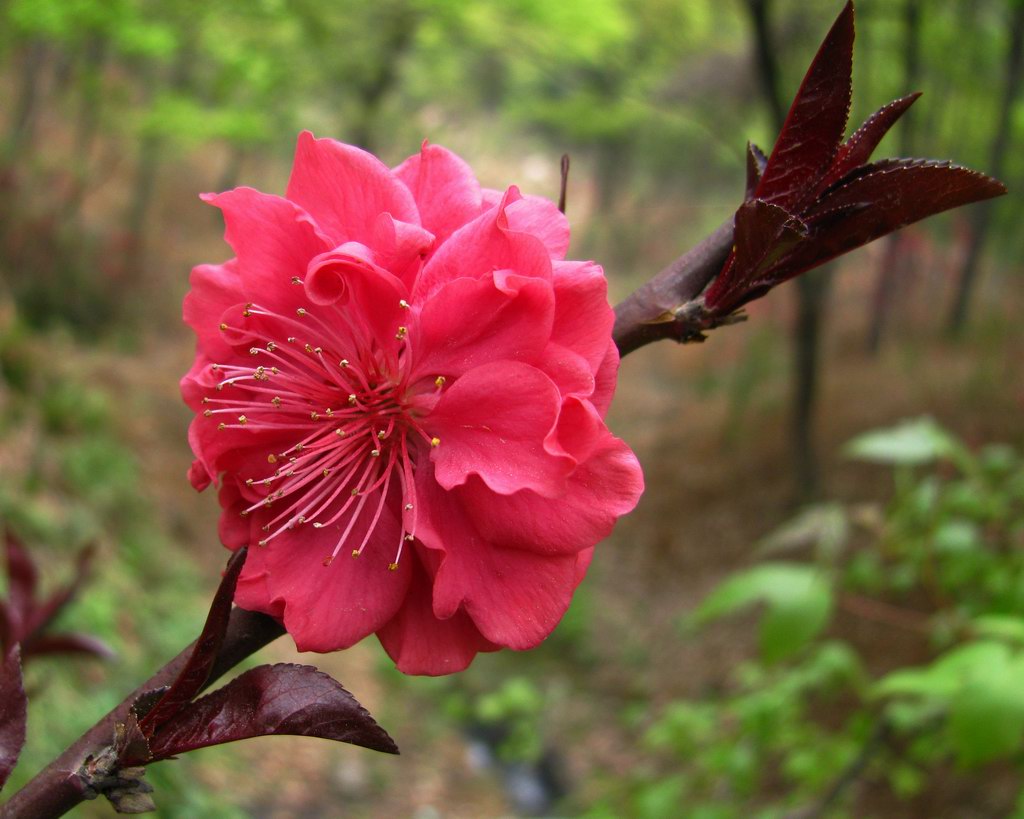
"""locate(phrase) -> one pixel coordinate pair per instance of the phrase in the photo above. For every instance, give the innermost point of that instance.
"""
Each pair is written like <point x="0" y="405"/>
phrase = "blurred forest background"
<point x="788" y="625"/>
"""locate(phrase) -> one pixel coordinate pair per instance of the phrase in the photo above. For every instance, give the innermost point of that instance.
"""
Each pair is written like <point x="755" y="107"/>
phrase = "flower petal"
<point x="541" y="217"/>
<point x="346" y="188"/>
<point x="583" y="317"/>
<point x="492" y="422"/>
<point x="470" y="322"/>
<point x="274" y="239"/>
<point x="445" y="189"/>
<point x="328" y="607"/>
<point x="486" y="244"/>
<point x="213" y="288"/>
<point x="421" y="643"/>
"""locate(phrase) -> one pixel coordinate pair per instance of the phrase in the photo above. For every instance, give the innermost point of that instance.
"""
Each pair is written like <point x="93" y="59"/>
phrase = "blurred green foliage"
<point x="946" y="559"/>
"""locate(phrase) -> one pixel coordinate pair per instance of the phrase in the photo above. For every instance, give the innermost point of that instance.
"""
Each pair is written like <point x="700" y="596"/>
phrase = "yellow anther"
<point x="439" y="381"/>
<point x="402" y="333"/>
<point x="261" y="543"/>
<point x="271" y="458"/>
<point x="296" y="280"/>
<point x="343" y="363"/>
<point x="292" y="339"/>
<point x="392" y="567"/>
<point x="355" y="492"/>
<point x="314" y="415"/>
<point x="403" y="304"/>
<point x="271" y="346"/>
<point x="382" y="434"/>
<point x="223" y="326"/>
<point x="355" y="553"/>
<point x="326" y="472"/>
<point x="435" y="442"/>
<point x="248" y="481"/>
<point x="329" y="412"/>
<point x="300" y="519"/>
<point x="215" y="366"/>
<point x="340" y="432"/>
<point x="318" y="350"/>
<point x="243" y="420"/>
<point x="254" y="351"/>
<point x="410" y="538"/>
<point x="207" y="413"/>
<point x="309" y="348"/>
<point x="298" y="448"/>
<point x="246" y="312"/>
<point x="318" y="525"/>
<point x="244" y="513"/>
<point x="374" y="453"/>
<point x="276" y="400"/>
<point x="352" y="398"/>
<point x="301" y="311"/>
<point x="408" y="507"/>
<point x="221" y="426"/>
<point x="206" y="400"/>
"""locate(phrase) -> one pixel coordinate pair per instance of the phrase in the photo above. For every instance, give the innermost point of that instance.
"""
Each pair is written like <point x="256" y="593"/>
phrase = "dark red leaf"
<point x="13" y="712"/>
<point x="67" y="643"/>
<point x="271" y="700"/>
<point x="764" y="233"/>
<point x="756" y="162"/>
<point x="197" y="670"/>
<point x="22" y="581"/>
<point x="885" y="197"/>
<point x="47" y="613"/>
<point x="857" y="150"/>
<point x="816" y="122"/>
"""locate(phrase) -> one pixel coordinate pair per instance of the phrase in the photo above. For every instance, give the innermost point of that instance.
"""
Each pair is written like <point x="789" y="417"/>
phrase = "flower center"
<point x="338" y="412"/>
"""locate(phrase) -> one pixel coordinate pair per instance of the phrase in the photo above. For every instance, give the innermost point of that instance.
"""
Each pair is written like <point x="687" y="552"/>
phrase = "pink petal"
<point x="326" y="608"/>
<point x="514" y="597"/>
<point x="213" y="288"/>
<point x="235" y="531"/>
<point x="273" y="239"/>
<point x="470" y="322"/>
<point x="400" y="247"/>
<point x="482" y="246"/>
<point x="492" y="422"/>
<point x="444" y="187"/>
<point x="583" y="317"/>
<point x="605" y="380"/>
<point x="420" y="643"/>
<point x="345" y="189"/>
<point x="541" y="217"/>
<point x="601" y="489"/>
<point x="570" y="372"/>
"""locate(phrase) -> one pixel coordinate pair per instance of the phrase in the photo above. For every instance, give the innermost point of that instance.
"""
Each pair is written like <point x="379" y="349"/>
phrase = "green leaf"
<point x="824" y="526"/>
<point x="909" y="443"/>
<point x="798" y="598"/>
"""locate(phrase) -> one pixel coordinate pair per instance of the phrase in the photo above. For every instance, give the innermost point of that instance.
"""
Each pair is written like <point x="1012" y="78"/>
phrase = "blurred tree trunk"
<point x="399" y="24"/>
<point x="90" y="107"/>
<point x="981" y="215"/>
<point x="811" y="288"/>
<point x="22" y="125"/>
<point x="895" y="265"/>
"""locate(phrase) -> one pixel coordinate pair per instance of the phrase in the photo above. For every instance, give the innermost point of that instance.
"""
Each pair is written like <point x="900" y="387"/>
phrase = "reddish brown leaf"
<point x="271" y="700"/>
<point x="67" y="643"/>
<point x="764" y="233"/>
<point x="197" y="670"/>
<point x="22" y="581"/>
<point x="857" y="150"/>
<point x="756" y="162"/>
<point x="13" y="712"/>
<point x="885" y="197"/>
<point x="47" y="613"/>
<point x="816" y="122"/>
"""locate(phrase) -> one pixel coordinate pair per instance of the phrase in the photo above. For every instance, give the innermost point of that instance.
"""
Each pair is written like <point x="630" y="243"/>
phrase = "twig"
<point x="668" y="305"/>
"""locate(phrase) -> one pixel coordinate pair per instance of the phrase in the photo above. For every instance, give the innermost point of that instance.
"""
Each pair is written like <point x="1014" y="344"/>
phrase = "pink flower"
<point x="400" y="386"/>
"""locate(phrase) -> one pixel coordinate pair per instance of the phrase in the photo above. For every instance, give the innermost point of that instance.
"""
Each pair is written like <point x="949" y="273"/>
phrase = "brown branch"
<point x="668" y="305"/>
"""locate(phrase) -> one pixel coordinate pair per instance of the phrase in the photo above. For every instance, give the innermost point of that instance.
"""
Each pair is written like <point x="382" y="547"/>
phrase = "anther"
<point x="314" y="416"/>
<point x="352" y="399"/>
<point x="292" y="339"/>
<point x="355" y="553"/>
<point x="254" y="351"/>
<point x="328" y="560"/>
<point x="382" y="434"/>
<point x="439" y="381"/>
<point x="410" y="538"/>
<point x="308" y="348"/>
<point x="374" y="453"/>
<point x="329" y="412"/>
<point x="343" y="363"/>
<point x="248" y="481"/>
<point x="326" y="472"/>
<point x="246" y="312"/>
<point x="403" y="304"/>
<point x="408" y="507"/>
<point x="276" y="400"/>
<point x="221" y="426"/>
<point x="243" y="420"/>
<point x="392" y="567"/>
<point x="271" y="458"/>
<point x="402" y="333"/>
<point x="340" y="433"/>
<point x="223" y="326"/>
<point x="208" y="413"/>
<point x="435" y="442"/>
<point x="296" y="280"/>
<point x="271" y="346"/>
<point x="262" y="543"/>
<point x="318" y="525"/>
<point x="301" y="311"/>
